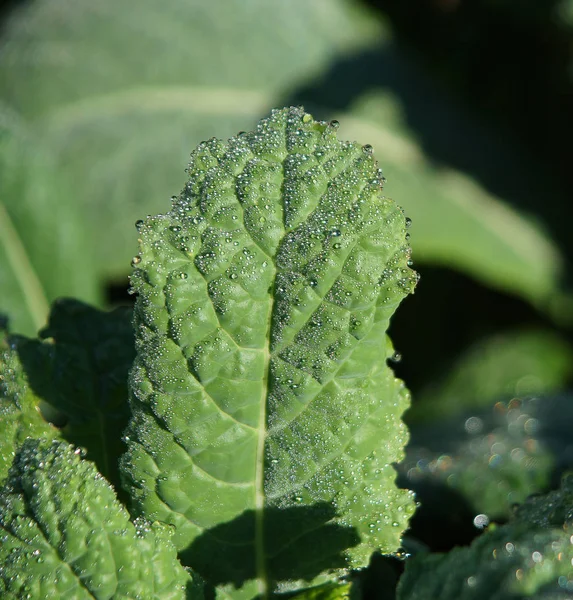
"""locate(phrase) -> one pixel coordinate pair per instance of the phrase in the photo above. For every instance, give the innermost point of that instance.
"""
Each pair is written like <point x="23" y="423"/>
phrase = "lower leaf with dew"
<point x="63" y="534"/>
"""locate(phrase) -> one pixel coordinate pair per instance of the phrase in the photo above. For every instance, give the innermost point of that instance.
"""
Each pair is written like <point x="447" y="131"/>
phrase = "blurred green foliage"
<point x="529" y="558"/>
<point x="494" y="458"/>
<point x="506" y="365"/>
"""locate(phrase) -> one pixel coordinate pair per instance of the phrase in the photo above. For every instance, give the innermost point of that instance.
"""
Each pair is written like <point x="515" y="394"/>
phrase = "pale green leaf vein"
<point x="24" y="272"/>
<point x="213" y="401"/>
<point x="214" y="101"/>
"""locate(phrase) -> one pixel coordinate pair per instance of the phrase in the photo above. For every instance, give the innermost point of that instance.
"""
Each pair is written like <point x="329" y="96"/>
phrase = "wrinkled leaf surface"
<point x="64" y="535"/>
<point x="266" y="420"/>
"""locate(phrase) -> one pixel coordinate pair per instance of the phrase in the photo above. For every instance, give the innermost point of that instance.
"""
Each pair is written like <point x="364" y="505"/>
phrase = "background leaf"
<point x="485" y="462"/>
<point x="78" y="370"/>
<point x="458" y="221"/>
<point x="528" y="558"/>
<point x="43" y="249"/>
<point x="112" y="105"/>
<point x="513" y="364"/>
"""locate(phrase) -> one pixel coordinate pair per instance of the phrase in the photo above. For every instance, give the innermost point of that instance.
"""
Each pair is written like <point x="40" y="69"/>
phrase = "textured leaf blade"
<point x="265" y="417"/>
<point x="65" y="535"/>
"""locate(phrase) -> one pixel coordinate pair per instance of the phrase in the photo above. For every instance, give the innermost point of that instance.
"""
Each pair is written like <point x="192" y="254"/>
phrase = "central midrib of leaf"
<point x="260" y="559"/>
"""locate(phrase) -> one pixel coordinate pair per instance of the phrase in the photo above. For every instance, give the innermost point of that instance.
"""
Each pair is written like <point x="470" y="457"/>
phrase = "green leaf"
<point x="64" y="535"/>
<point x="70" y="384"/>
<point x="493" y="458"/>
<point x="79" y="370"/>
<point x="504" y="366"/>
<point x="43" y="248"/>
<point x="554" y="509"/>
<point x="20" y="417"/>
<point x="530" y="558"/>
<point x="266" y="420"/>
<point x="112" y="108"/>
<point x="113" y="103"/>
<point x="169" y="46"/>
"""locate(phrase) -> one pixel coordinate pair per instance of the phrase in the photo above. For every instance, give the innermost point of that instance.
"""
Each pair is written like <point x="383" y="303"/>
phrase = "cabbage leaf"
<point x="265" y="419"/>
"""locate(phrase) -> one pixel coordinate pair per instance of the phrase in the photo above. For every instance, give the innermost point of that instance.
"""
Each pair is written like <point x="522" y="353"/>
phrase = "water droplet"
<point x="481" y="521"/>
<point x="473" y="425"/>
<point x="537" y="557"/>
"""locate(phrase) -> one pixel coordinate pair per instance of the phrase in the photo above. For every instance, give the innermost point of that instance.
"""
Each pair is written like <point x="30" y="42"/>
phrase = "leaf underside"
<point x="265" y="419"/>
